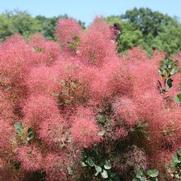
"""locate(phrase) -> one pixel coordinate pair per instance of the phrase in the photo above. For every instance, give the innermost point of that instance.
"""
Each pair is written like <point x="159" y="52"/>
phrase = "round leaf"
<point x="107" y="165"/>
<point x="104" y="174"/>
<point x="98" y="170"/>
<point x="153" y="173"/>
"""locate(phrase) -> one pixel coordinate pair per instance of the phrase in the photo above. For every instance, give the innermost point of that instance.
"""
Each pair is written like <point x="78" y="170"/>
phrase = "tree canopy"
<point x="148" y="29"/>
<point x="139" y="27"/>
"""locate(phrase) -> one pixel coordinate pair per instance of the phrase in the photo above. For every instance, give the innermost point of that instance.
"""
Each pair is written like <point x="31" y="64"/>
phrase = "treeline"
<point x="148" y="29"/>
<point x="139" y="27"/>
<point x="23" y="23"/>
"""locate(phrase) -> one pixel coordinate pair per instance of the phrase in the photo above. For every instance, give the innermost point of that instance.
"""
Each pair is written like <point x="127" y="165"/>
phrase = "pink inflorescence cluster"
<point x="53" y="95"/>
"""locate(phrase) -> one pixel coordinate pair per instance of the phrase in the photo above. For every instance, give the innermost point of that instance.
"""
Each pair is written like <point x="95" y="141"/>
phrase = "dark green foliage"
<point x="178" y="98"/>
<point x="18" y="22"/>
<point x="169" y="38"/>
<point x="174" y="169"/>
<point x="129" y="38"/>
<point x="147" y="21"/>
<point x="139" y="133"/>
<point x="149" y="175"/>
<point x="98" y="166"/>
<point x="149" y="30"/>
<point x="23" y="23"/>
<point x="35" y="176"/>
<point x="48" y="25"/>
<point x="168" y="68"/>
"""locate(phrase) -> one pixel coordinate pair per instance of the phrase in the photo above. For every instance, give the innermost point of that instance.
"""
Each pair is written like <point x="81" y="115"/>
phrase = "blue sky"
<point x="86" y="10"/>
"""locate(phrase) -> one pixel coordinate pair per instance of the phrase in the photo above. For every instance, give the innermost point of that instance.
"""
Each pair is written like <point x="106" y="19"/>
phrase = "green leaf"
<point x="177" y="176"/>
<point x="153" y="173"/>
<point x="101" y="133"/>
<point x="104" y="174"/>
<point x="90" y="162"/>
<point x="135" y="179"/>
<point x="83" y="164"/>
<point x="107" y="165"/>
<point x="98" y="170"/>
<point x="176" y="160"/>
<point x="178" y="98"/>
<point x="139" y="174"/>
<point x="18" y="127"/>
<point x="31" y="134"/>
<point x="101" y="119"/>
<point x="173" y="71"/>
<point x="169" y="82"/>
<point x="179" y="152"/>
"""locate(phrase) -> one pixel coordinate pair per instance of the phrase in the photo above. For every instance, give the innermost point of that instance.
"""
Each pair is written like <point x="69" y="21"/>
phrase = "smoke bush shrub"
<point x="85" y="132"/>
<point x="94" y="48"/>
<point x="122" y="109"/>
<point x="62" y="100"/>
<point x="44" y="52"/>
<point x="54" y="133"/>
<point x="38" y="109"/>
<point x="68" y="32"/>
<point x="30" y="158"/>
<point x="42" y="80"/>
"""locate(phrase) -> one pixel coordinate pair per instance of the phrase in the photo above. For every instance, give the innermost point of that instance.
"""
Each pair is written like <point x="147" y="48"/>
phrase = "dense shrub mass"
<point x="76" y="110"/>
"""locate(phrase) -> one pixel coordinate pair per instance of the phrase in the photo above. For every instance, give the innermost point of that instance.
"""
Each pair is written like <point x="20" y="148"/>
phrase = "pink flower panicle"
<point x="85" y="132"/>
<point x="30" y="158"/>
<point x="6" y="137"/>
<point x="56" y="167"/>
<point x="100" y="25"/>
<point x="55" y="133"/>
<point x="67" y="31"/>
<point x="126" y="109"/>
<point x="38" y="109"/>
<point x="94" y="48"/>
<point x="43" y="80"/>
<point x="45" y="52"/>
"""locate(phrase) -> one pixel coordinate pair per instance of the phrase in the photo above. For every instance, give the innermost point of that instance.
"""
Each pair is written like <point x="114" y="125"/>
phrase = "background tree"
<point x="148" y="29"/>
<point x="18" y="22"/>
<point x="147" y="21"/>
<point x="129" y="37"/>
<point x="48" y="25"/>
<point x="139" y="27"/>
<point x="23" y="23"/>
